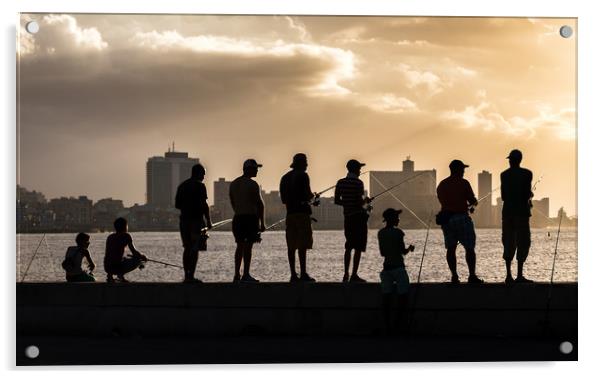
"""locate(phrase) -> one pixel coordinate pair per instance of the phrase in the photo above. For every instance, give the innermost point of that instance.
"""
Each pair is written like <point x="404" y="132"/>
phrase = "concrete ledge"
<point x="225" y="309"/>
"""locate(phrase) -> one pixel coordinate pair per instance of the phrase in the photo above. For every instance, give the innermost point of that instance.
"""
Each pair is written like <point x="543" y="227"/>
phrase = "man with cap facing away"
<point x="516" y="233"/>
<point x="349" y="193"/>
<point x="191" y="200"/>
<point x="248" y="221"/>
<point x="455" y="195"/>
<point x="296" y="194"/>
<point x="394" y="278"/>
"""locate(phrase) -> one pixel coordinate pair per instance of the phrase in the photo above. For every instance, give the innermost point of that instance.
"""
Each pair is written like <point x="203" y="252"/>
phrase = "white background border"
<point x="589" y="31"/>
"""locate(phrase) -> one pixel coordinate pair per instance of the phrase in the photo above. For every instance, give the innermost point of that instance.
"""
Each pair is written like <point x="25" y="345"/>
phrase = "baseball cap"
<point x="515" y="154"/>
<point x="354" y="163"/>
<point x="299" y="159"/>
<point x="390" y="213"/>
<point x="456" y="163"/>
<point x="251" y="163"/>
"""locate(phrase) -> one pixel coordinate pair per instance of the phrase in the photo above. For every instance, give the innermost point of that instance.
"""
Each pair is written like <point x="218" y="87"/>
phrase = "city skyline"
<point x="97" y="93"/>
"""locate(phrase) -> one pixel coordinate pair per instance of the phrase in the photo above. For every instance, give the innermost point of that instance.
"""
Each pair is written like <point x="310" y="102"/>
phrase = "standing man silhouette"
<point x="248" y="220"/>
<point x="455" y="195"/>
<point x="516" y="233"/>
<point x="349" y="193"/>
<point x="296" y="194"/>
<point x="191" y="200"/>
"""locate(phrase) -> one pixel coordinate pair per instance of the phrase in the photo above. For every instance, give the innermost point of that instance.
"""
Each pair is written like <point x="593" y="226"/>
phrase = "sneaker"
<point x="475" y="280"/>
<point x="509" y="280"/>
<point x="522" y="279"/>
<point x="193" y="280"/>
<point x="248" y="279"/>
<point x="345" y="278"/>
<point x="455" y="279"/>
<point x="294" y="278"/>
<point x="357" y="279"/>
<point x="306" y="278"/>
<point x="236" y="278"/>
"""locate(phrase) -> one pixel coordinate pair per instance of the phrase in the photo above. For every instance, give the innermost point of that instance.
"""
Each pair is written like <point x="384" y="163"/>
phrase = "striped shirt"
<point x="349" y="193"/>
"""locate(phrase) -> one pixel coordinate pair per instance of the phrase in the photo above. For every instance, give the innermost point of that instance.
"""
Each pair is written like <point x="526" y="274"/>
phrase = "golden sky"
<point x="99" y="94"/>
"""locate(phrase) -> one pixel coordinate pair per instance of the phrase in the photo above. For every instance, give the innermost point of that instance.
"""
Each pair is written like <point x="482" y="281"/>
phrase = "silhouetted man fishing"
<point x="115" y="263"/>
<point x="191" y="200"/>
<point x="248" y="220"/>
<point x="296" y="194"/>
<point x="455" y="195"/>
<point x="516" y="211"/>
<point x="349" y="193"/>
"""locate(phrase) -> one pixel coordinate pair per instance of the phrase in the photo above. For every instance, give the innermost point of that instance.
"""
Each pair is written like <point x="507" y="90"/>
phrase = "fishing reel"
<point x="316" y="201"/>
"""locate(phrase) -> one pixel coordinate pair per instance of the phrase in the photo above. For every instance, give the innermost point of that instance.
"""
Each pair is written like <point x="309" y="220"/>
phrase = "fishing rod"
<point x="316" y="195"/>
<point x="34" y="256"/>
<point x="396" y="185"/>
<point x="547" y="319"/>
<point x="420" y="273"/>
<point x="216" y="225"/>
<point x="163" y="263"/>
<point x="401" y="202"/>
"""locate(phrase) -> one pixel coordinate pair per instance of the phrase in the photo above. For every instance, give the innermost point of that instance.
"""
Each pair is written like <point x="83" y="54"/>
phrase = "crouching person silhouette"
<point x="115" y="263"/>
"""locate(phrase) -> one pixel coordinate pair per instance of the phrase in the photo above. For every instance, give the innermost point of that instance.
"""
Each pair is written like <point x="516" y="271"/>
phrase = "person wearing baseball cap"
<point x="248" y="221"/>
<point x="455" y="196"/>
<point x="349" y="193"/>
<point x="516" y="211"/>
<point x="296" y="195"/>
<point x="393" y="278"/>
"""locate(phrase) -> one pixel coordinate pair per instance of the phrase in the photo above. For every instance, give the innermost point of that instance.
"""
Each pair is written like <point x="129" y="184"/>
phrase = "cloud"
<point x="339" y="64"/>
<point x="388" y="103"/>
<point x="486" y="117"/>
<point x="61" y="34"/>
<point x="417" y="78"/>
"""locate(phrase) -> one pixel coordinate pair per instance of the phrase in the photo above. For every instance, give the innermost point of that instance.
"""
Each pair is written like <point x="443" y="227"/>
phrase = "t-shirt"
<point x="191" y="198"/>
<point x="392" y="247"/>
<point x="455" y="193"/>
<point x="115" y="249"/>
<point x="349" y="192"/>
<point x="295" y="192"/>
<point x="245" y="196"/>
<point x="74" y="257"/>
<point x="516" y="192"/>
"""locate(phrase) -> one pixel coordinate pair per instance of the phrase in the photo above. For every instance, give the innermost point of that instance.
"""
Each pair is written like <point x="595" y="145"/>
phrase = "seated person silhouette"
<point x="73" y="260"/>
<point x="115" y="263"/>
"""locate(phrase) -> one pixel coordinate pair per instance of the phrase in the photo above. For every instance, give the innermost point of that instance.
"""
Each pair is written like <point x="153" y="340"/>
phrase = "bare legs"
<point x="356" y="264"/>
<point x="471" y="262"/>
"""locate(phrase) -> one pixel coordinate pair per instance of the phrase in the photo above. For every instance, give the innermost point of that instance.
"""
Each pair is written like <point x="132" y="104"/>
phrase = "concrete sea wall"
<point x="224" y="309"/>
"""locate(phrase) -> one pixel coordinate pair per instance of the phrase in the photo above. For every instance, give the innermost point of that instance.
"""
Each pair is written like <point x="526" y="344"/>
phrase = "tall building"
<point x="540" y="213"/>
<point x="164" y="175"/>
<point x="418" y="194"/>
<point x="221" y="200"/>
<point x="483" y="215"/>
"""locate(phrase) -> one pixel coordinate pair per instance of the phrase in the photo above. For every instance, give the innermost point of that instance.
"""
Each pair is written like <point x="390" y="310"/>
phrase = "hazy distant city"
<point x="164" y="173"/>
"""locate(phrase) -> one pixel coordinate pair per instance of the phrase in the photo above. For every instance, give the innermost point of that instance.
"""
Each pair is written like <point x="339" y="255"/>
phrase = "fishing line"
<point x="34" y="256"/>
<point x="401" y="202"/>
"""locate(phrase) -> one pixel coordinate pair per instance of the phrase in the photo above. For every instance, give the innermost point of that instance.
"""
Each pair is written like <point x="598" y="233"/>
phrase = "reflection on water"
<point x="325" y="261"/>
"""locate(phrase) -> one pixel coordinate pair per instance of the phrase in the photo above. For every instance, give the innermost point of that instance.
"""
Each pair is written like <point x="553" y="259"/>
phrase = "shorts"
<point x="245" y="228"/>
<point x="298" y="231"/>
<point x="356" y="231"/>
<point x="460" y="229"/>
<point x="395" y="280"/>
<point x="516" y="237"/>
<point x="190" y="233"/>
